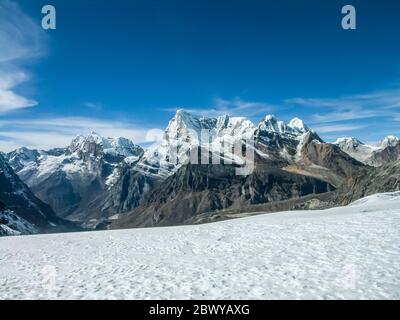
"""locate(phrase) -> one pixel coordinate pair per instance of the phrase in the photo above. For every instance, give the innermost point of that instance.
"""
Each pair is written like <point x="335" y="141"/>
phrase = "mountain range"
<point x="99" y="183"/>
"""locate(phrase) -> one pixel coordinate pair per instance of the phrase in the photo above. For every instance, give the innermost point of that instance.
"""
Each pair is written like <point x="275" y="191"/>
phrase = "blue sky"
<point x="122" y="67"/>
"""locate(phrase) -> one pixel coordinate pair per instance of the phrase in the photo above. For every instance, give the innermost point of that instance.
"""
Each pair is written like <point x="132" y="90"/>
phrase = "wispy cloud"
<point x="362" y="106"/>
<point x="54" y="132"/>
<point x="21" y="39"/>
<point x="234" y="107"/>
<point x="338" y="128"/>
<point x="9" y="100"/>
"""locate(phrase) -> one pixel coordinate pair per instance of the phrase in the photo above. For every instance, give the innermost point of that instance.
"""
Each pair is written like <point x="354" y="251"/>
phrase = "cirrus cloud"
<point x="52" y="132"/>
<point x="21" y="40"/>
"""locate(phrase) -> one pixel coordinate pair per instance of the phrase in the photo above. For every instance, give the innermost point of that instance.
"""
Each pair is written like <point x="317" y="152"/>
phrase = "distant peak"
<point x="348" y="140"/>
<point x="270" y="118"/>
<point x="295" y="127"/>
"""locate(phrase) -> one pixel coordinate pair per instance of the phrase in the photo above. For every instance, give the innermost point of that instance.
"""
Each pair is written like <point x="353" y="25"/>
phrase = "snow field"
<point x="350" y="252"/>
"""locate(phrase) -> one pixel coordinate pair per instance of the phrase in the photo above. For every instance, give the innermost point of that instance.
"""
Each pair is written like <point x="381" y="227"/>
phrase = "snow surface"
<point x="341" y="253"/>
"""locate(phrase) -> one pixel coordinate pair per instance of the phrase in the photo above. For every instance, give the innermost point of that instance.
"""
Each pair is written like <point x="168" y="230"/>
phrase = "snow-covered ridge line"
<point x="389" y="141"/>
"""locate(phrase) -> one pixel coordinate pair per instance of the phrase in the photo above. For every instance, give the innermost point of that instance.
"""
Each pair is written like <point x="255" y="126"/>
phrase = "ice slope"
<point x="341" y="253"/>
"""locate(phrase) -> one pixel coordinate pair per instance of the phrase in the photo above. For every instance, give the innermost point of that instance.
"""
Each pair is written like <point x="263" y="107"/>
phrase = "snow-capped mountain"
<point x="389" y="141"/>
<point x="95" y="145"/>
<point x="186" y="132"/>
<point x="355" y="148"/>
<point x="69" y="179"/>
<point x="279" y="141"/>
<point x="294" y="128"/>
<point x="387" y="150"/>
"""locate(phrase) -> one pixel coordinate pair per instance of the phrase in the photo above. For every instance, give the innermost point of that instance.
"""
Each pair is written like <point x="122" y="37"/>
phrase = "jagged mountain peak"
<point x="80" y="140"/>
<point x="295" y="127"/>
<point x="183" y="119"/>
<point x="184" y="125"/>
<point x="182" y="113"/>
<point x="271" y="124"/>
<point x="234" y="126"/>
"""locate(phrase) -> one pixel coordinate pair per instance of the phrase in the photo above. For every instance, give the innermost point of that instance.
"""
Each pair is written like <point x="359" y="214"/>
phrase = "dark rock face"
<point x="131" y="191"/>
<point x="388" y="154"/>
<point x="338" y="165"/>
<point x="16" y="196"/>
<point x="59" y="193"/>
<point x="17" y="158"/>
<point x="196" y="189"/>
<point x="128" y="193"/>
<point x="369" y="181"/>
